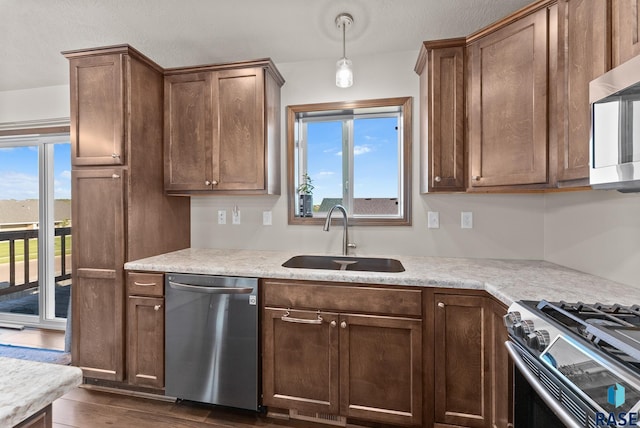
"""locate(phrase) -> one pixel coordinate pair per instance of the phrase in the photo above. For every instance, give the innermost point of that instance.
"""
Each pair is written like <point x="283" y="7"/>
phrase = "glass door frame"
<point x="44" y="139"/>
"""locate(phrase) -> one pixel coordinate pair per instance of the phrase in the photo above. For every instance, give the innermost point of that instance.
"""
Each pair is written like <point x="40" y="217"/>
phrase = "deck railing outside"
<point x="25" y="235"/>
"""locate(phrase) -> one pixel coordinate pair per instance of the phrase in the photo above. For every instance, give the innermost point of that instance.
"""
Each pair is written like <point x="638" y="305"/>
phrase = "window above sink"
<point x="356" y="154"/>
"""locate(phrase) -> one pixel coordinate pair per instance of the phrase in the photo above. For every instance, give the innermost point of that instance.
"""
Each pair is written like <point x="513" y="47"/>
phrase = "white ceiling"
<point x="178" y="33"/>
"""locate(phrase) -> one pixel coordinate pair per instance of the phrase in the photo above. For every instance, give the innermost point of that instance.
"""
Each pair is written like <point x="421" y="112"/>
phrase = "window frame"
<point x="405" y="104"/>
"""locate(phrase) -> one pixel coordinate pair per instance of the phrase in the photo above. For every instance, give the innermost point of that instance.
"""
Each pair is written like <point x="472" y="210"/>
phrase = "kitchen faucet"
<point x="345" y="234"/>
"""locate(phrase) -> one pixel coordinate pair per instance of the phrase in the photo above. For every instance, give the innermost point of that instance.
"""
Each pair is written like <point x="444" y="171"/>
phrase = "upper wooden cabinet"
<point x="583" y="55"/>
<point x="97" y="104"/>
<point x="222" y="129"/>
<point x="507" y="104"/>
<point x="442" y="152"/>
<point x="625" y="16"/>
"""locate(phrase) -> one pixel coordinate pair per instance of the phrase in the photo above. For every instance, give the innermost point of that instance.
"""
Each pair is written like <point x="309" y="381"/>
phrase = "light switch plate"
<point x="466" y="220"/>
<point x="266" y="218"/>
<point x="433" y="219"/>
<point x="235" y="216"/>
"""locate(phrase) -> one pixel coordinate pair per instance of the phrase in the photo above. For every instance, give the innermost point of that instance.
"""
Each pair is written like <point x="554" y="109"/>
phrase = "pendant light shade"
<point x="344" y="73"/>
<point x="344" y="69"/>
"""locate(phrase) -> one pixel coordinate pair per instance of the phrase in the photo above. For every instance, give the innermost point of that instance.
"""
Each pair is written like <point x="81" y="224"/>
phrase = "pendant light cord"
<point x="344" y="43"/>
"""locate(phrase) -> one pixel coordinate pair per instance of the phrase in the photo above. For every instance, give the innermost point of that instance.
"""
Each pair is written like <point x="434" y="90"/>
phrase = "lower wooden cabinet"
<point x="472" y="372"/>
<point x="300" y="361"/>
<point x="145" y="337"/>
<point x="145" y="329"/>
<point x="361" y="366"/>
<point x="381" y="368"/>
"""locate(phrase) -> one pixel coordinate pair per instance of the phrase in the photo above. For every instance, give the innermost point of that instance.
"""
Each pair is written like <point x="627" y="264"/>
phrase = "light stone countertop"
<point x="26" y="387"/>
<point x="507" y="280"/>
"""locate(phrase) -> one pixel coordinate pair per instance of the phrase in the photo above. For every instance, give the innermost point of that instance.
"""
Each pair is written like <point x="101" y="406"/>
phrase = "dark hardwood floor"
<point x="88" y="408"/>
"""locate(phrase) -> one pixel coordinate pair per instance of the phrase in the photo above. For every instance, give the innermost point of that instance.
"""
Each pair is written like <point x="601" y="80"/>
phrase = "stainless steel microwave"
<point x="615" y="128"/>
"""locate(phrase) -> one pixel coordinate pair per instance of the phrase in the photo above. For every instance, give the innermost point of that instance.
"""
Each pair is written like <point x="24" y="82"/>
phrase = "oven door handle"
<point x="554" y="404"/>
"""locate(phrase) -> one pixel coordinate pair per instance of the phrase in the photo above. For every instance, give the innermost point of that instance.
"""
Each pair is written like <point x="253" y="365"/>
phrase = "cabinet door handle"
<point x="115" y="176"/>
<point x="437" y="179"/>
<point x="476" y="178"/>
<point x="440" y="305"/>
<point x="115" y="155"/>
<point x="343" y="324"/>
<point x="144" y="284"/>
<point x="157" y="307"/>
<point x="288" y="318"/>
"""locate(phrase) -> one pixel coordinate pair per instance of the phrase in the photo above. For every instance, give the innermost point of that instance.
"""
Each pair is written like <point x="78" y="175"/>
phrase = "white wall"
<point x="38" y="104"/>
<point x="505" y="226"/>
<point x="596" y="231"/>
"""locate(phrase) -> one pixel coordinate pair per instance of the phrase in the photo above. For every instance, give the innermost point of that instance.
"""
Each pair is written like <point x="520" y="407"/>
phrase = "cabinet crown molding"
<point x="435" y="44"/>
<point x="124" y="49"/>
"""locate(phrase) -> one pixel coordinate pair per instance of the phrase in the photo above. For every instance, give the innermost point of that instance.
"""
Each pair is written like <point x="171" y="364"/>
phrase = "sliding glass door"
<point x="35" y="229"/>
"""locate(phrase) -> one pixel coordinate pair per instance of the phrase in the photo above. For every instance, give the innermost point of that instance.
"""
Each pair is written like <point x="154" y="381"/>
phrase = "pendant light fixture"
<point x="344" y="72"/>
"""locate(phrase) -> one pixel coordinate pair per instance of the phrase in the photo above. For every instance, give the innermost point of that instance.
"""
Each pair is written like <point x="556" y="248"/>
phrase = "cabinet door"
<point x="145" y="334"/>
<point x="446" y="119"/>
<point x="300" y="360"/>
<point x="625" y="30"/>
<point x="238" y="148"/>
<point x="583" y="55"/>
<point x="97" y="110"/>
<point x="98" y="275"/>
<point x="501" y="371"/>
<point x="381" y="369"/>
<point x="461" y="392"/>
<point x="508" y="105"/>
<point x="188" y="134"/>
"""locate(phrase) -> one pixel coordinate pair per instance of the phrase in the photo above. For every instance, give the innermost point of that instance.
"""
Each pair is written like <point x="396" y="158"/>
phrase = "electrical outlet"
<point x="466" y="220"/>
<point x="222" y="217"/>
<point x="433" y="219"/>
<point x="235" y="216"/>
<point x="266" y="218"/>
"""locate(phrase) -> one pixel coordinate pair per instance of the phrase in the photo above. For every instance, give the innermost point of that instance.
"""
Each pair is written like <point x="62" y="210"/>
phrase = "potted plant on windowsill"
<point x="305" y="192"/>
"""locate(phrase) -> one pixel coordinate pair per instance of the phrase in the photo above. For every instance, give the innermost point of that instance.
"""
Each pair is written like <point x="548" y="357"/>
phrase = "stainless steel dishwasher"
<point x="211" y="339"/>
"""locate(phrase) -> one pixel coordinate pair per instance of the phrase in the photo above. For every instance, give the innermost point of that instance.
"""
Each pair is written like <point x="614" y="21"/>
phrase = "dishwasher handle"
<point x="210" y="290"/>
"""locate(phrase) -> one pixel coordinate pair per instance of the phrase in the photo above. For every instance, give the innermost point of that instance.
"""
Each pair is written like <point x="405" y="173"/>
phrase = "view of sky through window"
<point x="19" y="172"/>
<point x="375" y="158"/>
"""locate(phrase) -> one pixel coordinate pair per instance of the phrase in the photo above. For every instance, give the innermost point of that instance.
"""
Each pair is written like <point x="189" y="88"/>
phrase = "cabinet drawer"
<point x="145" y="284"/>
<point x="342" y="298"/>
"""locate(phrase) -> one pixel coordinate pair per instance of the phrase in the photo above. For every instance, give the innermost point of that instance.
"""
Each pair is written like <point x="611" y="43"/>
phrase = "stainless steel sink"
<point x="367" y="264"/>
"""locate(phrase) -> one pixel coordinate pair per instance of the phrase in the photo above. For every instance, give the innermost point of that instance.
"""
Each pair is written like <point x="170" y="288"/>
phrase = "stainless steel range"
<point x="577" y="365"/>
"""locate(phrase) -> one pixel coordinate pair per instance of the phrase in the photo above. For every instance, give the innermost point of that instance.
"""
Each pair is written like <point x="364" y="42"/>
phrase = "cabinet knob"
<point x="115" y="176"/>
<point x="157" y="307"/>
<point x="440" y="305"/>
<point x="437" y="179"/>
<point x="343" y="324"/>
<point x="115" y="155"/>
<point x="207" y="183"/>
<point x="476" y="178"/>
<point x="333" y="323"/>
<point x="214" y="182"/>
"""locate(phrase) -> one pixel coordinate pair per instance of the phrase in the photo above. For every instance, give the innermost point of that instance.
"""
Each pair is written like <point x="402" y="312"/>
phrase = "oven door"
<point x="541" y="399"/>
